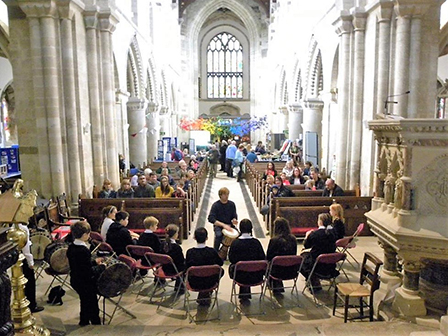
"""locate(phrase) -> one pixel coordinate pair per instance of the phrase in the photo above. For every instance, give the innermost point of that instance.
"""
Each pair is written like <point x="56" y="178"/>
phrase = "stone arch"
<point x="4" y="40"/>
<point x="298" y="90"/>
<point x="314" y="75"/>
<point x="283" y="98"/>
<point x="151" y="87"/>
<point x="7" y="100"/>
<point x="135" y="70"/>
<point x="163" y="90"/>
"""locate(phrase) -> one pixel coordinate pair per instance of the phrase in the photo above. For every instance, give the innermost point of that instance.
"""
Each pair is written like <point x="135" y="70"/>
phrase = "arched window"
<point x="225" y="67"/>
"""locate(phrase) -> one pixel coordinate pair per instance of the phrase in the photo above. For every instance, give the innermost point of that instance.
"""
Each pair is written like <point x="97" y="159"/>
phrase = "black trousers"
<point x="229" y="167"/>
<point x="90" y="311"/>
<point x="30" y="286"/>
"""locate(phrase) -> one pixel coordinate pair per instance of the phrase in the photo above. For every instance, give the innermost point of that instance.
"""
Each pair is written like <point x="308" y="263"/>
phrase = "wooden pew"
<point x="302" y="212"/>
<point x="167" y="211"/>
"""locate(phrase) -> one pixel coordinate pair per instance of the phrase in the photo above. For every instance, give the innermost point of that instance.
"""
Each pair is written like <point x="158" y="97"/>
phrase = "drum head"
<point x="115" y="279"/>
<point x="40" y="240"/>
<point x="59" y="261"/>
<point x="232" y="233"/>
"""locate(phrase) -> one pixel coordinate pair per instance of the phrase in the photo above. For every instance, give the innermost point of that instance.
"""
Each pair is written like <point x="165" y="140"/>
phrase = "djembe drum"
<point x="228" y="238"/>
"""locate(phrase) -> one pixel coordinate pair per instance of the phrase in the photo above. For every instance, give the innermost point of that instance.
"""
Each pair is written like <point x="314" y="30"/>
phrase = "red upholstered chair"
<point x="138" y="252"/>
<point x="325" y="259"/>
<point x="292" y="262"/>
<point x="158" y="260"/>
<point x="96" y="236"/>
<point x="245" y="267"/>
<point x="203" y="272"/>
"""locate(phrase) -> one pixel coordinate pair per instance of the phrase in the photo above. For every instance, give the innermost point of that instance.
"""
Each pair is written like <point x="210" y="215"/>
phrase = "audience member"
<point x="283" y="191"/>
<point x="332" y="189"/>
<point x="152" y="181"/>
<point x="164" y="190"/>
<point x="230" y="156"/>
<point x="163" y="165"/>
<point x="319" y="184"/>
<point x="296" y="177"/>
<point x="143" y="189"/>
<point x="284" y="179"/>
<point x="260" y="148"/>
<point x="238" y="161"/>
<point x="125" y="190"/>
<point x="307" y="169"/>
<point x="337" y="214"/>
<point x="251" y="156"/>
<point x="165" y="173"/>
<point x="288" y="169"/>
<point x="108" y="190"/>
<point x="176" y="154"/>
<point x="179" y="192"/>
<point x="270" y="170"/>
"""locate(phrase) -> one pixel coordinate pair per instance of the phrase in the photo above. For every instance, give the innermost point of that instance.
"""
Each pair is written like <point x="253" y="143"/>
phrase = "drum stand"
<point x="117" y="305"/>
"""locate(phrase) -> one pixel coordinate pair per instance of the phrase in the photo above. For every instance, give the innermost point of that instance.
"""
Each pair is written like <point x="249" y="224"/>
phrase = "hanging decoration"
<point x="143" y="130"/>
<point x="224" y="127"/>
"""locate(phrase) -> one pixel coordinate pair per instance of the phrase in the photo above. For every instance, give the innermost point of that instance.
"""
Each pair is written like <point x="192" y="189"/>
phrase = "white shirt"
<point x="245" y="236"/>
<point x="147" y="231"/>
<point x="201" y="246"/>
<point x="27" y="248"/>
<point x="80" y="242"/>
<point x="105" y="226"/>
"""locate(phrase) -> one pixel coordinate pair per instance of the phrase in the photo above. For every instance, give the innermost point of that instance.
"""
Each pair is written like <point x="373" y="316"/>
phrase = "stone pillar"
<point x="384" y="16"/>
<point x="401" y="84"/>
<point x="121" y="99"/>
<point x="165" y="127"/>
<point x="91" y="23"/>
<point x="137" y="131"/>
<point x="407" y="299"/>
<point x="312" y="122"/>
<point x="295" y="121"/>
<point x="153" y="122"/>
<point x="359" y="24"/>
<point x="107" y="24"/>
<point x="283" y="114"/>
<point x="72" y="127"/>
<point x="344" y="30"/>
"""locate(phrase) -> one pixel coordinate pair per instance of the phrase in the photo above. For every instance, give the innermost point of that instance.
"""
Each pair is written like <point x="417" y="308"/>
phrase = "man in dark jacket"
<point x="143" y="189"/>
<point x="332" y="189"/>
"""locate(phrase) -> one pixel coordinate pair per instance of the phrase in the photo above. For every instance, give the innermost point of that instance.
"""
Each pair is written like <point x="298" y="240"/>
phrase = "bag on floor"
<point x="55" y="295"/>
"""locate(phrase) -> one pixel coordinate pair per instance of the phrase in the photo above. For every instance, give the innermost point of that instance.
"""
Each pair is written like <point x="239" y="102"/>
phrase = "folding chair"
<point x="158" y="261"/>
<point x="283" y="268"/>
<point x="96" y="236"/>
<point x="325" y="259"/>
<point x="138" y="252"/>
<point x="257" y="268"/>
<point x="209" y="277"/>
<point x="343" y="245"/>
<point x="369" y="274"/>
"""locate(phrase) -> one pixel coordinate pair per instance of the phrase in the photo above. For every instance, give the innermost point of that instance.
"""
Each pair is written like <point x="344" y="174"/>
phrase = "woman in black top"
<point x="320" y="241"/>
<point x="246" y="248"/>
<point x="281" y="244"/>
<point x="171" y="248"/>
<point x="337" y="214"/>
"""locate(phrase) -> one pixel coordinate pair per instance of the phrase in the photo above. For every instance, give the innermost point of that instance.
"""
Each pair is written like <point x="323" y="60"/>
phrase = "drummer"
<point x="223" y="216"/>
<point x="82" y="271"/>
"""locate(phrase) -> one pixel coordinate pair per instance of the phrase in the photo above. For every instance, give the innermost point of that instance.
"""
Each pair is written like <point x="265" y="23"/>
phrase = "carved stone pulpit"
<point x="409" y="213"/>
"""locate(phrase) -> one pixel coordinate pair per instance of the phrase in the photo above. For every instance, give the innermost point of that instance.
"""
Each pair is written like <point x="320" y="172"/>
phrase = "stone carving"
<point x="389" y="184"/>
<point x="398" y="195"/>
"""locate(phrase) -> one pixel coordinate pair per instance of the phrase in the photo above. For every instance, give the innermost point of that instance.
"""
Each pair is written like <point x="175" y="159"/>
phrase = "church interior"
<point x="361" y="85"/>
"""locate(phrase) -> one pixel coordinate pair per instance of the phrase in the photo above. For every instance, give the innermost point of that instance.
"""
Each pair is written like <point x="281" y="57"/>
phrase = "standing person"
<point x="83" y="270"/>
<point x="118" y="236"/>
<point x="230" y="156"/>
<point x="251" y="156"/>
<point x="28" y="272"/>
<point x="148" y="237"/>
<point x="222" y="216"/>
<point x="109" y="213"/>
<point x="176" y="154"/>
<point x="245" y="248"/>
<point x="337" y="214"/>
<point x="281" y="244"/>
<point x="238" y="161"/>
<point x="202" y="255"/>
<point x="320" y="241"/>
<point x="143" y="189"/>
<point x="171" y="248"/>
<point x="222" y="155"/>
<point x="213" y="156"/>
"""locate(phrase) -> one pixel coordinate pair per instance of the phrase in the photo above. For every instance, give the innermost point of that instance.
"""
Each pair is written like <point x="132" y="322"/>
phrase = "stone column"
<point x="407" y="299"/>
<point x="401" y="84"/>
<point x="283" y="113"/>
<point x="344" y="30"/>
<point x="384" y="16"/>
<point x="72" y="127"/>
<point x="165" y="127"/>
<point x="121" y="99"/>
<point x="153" y="122"/>
<point x="295" y="121"/>
<point x="137" y="130"/>
<point x="107" y="24"/>
<point x="91" y="23"/>
<point x="359" y="24"/>
<point x="312" y="122"/>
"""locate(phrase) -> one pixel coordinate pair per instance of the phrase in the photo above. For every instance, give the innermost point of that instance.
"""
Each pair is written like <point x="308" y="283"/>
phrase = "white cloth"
<point x="27" y="248"/>
<point x="105" y="226"/>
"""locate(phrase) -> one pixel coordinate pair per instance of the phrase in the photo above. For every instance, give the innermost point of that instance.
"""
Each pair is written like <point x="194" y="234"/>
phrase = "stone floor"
<point x="304" y="318"/>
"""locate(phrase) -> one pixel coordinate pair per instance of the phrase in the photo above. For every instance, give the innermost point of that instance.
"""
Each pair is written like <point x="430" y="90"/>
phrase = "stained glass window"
<point x="225" y="67"/>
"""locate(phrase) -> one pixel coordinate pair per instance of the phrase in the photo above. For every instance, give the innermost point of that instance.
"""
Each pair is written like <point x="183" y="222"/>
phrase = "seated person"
<point x="189" y="180"/>
<point x="308" y="168"/>
<point x="245" y="248"/>
<point x="118" y="236"/>
<point x="309" y="185"/>
<point x="251" y="156"/>
<point x="152" y="180"/>
<point x="337" y="214"/>
<point x="182" y="169"/>
<point x="260" y="148"/>
<point x="163" y="165"/>
<point x="193" y="164"/>
<point x="148" y="237"/>
<point x="199" y="256"/>
<point x="284" y="179"/>
<point x="282" y="243"/>
<point x="318" y="183"/>
<point x="288" y="169"/>
<point x="296" y="177"/>
<point x="180" y="192"/>
<point x="171" y="248"/>
<point x="317" y="242"/>
<point x="165" y="173"/>
<point x="332" y="189"/>
<point x="270" y="170"/>
<point x="143" y="189"/>
<point x="108" y="190"/>
<point x="134" y="181"/>
<point x="109" y="213"/>
<point x="164" y="190"/>
<point x="283" y="191"/>
<point x="125" y="190"/>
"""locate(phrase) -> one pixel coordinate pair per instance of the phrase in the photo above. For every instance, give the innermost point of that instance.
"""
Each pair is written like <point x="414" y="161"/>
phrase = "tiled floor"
<point x="304" y="319"/>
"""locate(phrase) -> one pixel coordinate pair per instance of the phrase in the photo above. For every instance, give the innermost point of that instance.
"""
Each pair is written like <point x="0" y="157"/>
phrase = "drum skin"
<point x="40" y="240"/>
<point x="227" y="239"/>
<point x="56" y="256"/>
<point x="115" y="279"/>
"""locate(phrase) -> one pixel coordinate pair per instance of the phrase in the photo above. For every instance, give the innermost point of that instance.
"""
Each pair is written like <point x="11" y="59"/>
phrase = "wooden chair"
<point x="210" y="275"/>
<point x="290" y="262"/>
<point x="245" y="268"/>
<point x="369" y="275"/>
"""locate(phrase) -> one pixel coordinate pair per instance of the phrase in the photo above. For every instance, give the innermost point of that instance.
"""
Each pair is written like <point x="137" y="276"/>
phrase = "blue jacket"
<point x="230" y="152"/>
